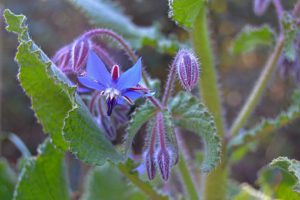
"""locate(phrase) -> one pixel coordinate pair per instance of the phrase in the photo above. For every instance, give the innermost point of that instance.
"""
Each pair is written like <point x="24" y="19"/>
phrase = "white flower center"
<point x="111" y="93"/>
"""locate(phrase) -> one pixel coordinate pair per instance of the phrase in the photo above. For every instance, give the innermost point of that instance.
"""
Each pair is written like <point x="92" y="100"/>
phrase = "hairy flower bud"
<point x="79" y="53"/>
<point x="150" y="165"/>
<point x="62" y="57"/>
<point x="108" y="127"/>
<point x="187" y="69"/>
<point x="260" y="6"/>
<point x="164" y="161"/>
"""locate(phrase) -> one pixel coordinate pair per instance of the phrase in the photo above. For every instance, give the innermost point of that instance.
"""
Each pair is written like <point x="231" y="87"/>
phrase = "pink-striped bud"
<point x="108" y="127"/>
<point x="164" y="161"/>
<point x="150" y="165"/>
<point x="260" y="6"/>
<point x="62" y="58"/>
<point x="79" y="53"/>
<point x="187" y="69"/>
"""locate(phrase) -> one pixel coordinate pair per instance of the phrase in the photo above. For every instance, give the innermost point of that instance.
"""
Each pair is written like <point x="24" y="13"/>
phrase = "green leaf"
<point x="194" y="116"/>
<point x="247" y="192"/>
<point x="139" y="117"/>
<point x="184" y="12"/>
<point x="58" y="108"/>
<point x="86" y="140"/>
<point x="8" y="180"/>
<point x="106" y="182"/>
<point x="281" y="178"/>
<point x="43" y="177"/>
<point x="249" y="38"/>
<point x="291" y="29"/>
<point x="267" y="126"/>
<point x="107" y="14"/>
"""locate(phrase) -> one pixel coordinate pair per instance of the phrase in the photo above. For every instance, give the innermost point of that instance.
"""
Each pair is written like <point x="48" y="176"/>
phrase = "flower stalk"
<point x="259" y="88"/>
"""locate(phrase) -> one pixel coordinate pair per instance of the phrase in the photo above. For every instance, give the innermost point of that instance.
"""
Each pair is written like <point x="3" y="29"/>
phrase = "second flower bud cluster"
<point x="160" y="152"/>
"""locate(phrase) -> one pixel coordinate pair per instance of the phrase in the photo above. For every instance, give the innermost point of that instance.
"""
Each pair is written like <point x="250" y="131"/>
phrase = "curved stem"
<point x="103" y="55"/>
<point x="13" y="138"/>
<point x="259" y="88"/>
<point x="170" y="82"/>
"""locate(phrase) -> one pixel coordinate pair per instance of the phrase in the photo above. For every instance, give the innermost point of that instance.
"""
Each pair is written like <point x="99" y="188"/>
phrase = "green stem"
<point x="208" y="84"/>
<point x="187" y="179"/>
<point x="145" y="187"/>
<point x="259" y="88"/>
<point x="215" y="182"/>
<point x="185" y="168"/>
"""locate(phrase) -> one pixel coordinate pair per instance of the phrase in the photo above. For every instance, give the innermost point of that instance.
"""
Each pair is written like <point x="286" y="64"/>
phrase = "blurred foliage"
<point x="250" y="37"/>
<point x="53" y="22"/>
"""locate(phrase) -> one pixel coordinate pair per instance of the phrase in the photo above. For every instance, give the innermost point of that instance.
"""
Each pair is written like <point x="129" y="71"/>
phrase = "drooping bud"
<point x="150" y="161"/>
<point x="164" y="161"/>
<point x="79" y="53"/>
<point x="108" y="127"/>
<point x="62" y="58"/>
<point x="150" y="165"/>
<point x="187" y="69"/>
<point x="163" y="156"/>
<point x="260" y="6"/>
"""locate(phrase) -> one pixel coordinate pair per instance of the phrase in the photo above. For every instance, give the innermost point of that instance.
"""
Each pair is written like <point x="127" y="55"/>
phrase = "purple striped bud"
<point x="149" y="158"/>
<point x="260" y="6"/>
<point x="108" y="127"/>
<point x="150" y="165"/>
<point x="79" y="53"/>
<point x="187" y="69"/>
<point x="164" y="161"/>
<point x="62" y="58"/>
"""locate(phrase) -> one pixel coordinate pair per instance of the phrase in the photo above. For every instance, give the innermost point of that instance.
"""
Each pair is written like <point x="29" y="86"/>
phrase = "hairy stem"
<point x="208" y="86"/>
<point x="259" y="88"/>
<point x="170" y="83"/>
<point x="185" y="170"/>
<point x="146" y="188"/>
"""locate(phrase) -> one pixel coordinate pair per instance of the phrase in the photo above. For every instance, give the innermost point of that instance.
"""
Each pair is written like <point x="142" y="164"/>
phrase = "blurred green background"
<point x="54" y="23"/>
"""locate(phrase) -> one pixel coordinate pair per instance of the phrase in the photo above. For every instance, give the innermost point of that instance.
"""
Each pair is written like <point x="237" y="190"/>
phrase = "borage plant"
<point x="93" y="107"/>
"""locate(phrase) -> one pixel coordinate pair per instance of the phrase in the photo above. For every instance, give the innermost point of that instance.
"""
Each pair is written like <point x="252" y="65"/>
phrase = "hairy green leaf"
<point x="139" y="117"/>
<point x="43" y="177"/>
<point x="281" y="178"/>
<point x="194" y="116"/>
<point x="291" y="29"/>
<point x="8" y="179"/>
<point x="184" y="12"/>
<point x="107" y="14"/>
<point x="249" y="38"/>
<point x="247" y="192"/>
<point x="267" y="126"/>
<point x="106" y="182"/>
<point x="57" y="106"/>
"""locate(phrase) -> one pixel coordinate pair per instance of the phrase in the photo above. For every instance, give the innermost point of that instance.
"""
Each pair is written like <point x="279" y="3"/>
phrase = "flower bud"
<point x="260" y="6"/>
<point x="79" y="53"/>
<point x="108" y="127"/>
<point x="62" y="57"/>
<point x="187" y="69"/>
<point x="164" y="162"/>
<point x="150" y="165"/>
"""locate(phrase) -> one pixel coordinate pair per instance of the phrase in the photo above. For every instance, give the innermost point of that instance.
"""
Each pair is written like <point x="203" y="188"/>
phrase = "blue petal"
<point x="132" y="95"/>
<point x="131" y="77"/>
<point x="97" y="70"/>
<point x="90" y="83"/>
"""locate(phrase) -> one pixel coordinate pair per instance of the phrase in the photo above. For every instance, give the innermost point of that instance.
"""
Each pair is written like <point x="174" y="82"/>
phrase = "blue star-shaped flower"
<point x="116" y="88"/>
